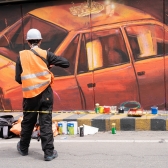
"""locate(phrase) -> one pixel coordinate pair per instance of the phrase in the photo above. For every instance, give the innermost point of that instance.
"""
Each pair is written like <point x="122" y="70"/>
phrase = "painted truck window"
<point x="146" y="41"/>
<point x="70" y="54"/>
<point x="101" y="50"/>
<point x="14" y="38"/>
<point x="52" y="34"/>
<point x="83" y="61"/>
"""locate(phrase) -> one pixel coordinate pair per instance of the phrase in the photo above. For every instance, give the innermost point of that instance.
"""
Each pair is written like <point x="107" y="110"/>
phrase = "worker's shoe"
<point x="18" y="148"/>
<point x="49" y="158"/>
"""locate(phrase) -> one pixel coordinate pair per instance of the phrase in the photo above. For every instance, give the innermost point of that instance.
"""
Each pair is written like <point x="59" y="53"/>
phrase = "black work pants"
<point x="44" y="103"/>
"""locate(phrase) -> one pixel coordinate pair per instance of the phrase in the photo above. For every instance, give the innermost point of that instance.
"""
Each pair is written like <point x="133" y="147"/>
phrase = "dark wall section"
<point x="155" y="8"/>
<point x="13" y="12"/>
<point x="158" y="9"/>
<point x="9" y="17"/>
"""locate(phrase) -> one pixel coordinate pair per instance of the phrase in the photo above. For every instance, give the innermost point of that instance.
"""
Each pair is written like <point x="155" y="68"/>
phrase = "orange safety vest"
<point x="36" y="76"/>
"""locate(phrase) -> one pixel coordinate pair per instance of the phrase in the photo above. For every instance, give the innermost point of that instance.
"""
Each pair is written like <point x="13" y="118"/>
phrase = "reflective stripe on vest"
<point x="35" y="75"/>
<point x="35" y="86"/>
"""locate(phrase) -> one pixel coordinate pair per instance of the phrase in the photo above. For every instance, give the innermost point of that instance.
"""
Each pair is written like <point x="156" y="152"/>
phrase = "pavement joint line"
<point x="94" y="141"/>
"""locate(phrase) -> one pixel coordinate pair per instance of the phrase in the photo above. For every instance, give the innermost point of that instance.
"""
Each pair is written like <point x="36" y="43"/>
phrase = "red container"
<point x="106" y="109"/>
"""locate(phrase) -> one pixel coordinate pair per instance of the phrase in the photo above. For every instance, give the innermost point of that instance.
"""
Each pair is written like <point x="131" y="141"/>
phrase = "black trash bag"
<point x="6" y="122"/>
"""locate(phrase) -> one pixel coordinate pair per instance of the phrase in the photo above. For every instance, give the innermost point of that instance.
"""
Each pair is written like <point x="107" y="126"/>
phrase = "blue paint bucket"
<point x="154" y="110"/>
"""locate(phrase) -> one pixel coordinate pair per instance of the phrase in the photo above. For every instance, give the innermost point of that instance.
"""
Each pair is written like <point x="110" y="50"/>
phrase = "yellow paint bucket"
<point x="101" y="109"/>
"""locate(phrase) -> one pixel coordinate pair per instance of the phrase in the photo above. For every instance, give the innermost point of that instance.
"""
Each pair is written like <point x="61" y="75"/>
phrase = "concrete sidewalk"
<point x="147" y="122"/>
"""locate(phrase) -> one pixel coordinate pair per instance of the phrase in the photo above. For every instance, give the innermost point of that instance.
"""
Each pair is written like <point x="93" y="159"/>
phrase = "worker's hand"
<point x="51" y="66"/>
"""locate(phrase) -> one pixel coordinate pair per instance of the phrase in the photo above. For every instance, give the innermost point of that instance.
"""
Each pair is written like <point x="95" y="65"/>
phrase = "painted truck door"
<point x="165" y="48"/>
<point x="85" y="74"/>
<point x="146" y="42"/>
<point x="7" y="82"/>
<point x="65" y="87"/>
<point x="114" y="78"/>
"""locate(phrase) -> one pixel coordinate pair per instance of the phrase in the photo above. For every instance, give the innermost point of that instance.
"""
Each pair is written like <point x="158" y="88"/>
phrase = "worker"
<point x="32" y="72"/>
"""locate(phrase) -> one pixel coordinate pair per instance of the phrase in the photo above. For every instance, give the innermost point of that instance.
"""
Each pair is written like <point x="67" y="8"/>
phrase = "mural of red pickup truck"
<point x="116" y="53"/>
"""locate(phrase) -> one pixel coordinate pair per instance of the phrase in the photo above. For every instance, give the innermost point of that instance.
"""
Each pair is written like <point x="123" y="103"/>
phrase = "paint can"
<point x="97" y="107"/>
<point x="81" y="133"/>
<point x="113" y="129"/>
<point x="107" y="109"/>
<point x="121" y="110"/>
<point x="113" y="109"/>
<point x="101" y="109"/>
<point x="72" y="127"/>
<point x="154" y="110"/>
<point x="62" y="127"/>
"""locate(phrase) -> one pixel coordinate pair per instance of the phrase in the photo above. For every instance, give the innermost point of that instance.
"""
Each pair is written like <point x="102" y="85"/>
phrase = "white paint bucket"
<point x="72" y="127"/>
<point x="62" y="127"/>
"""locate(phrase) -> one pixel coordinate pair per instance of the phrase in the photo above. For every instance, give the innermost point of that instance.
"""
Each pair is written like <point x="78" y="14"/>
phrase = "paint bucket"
<point x="121" y="110"/>
<point x="154" y="110"/>
<point x="113" y="129"/>
<point x="107" y="109"/>
<point x="97" y="107"/>
<point x="101" y="109"/>
<point x="72" y="127"/>
<point x="81" y="131"/>
<point x="113" y="109"/>
<point x="62" y="127"/>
